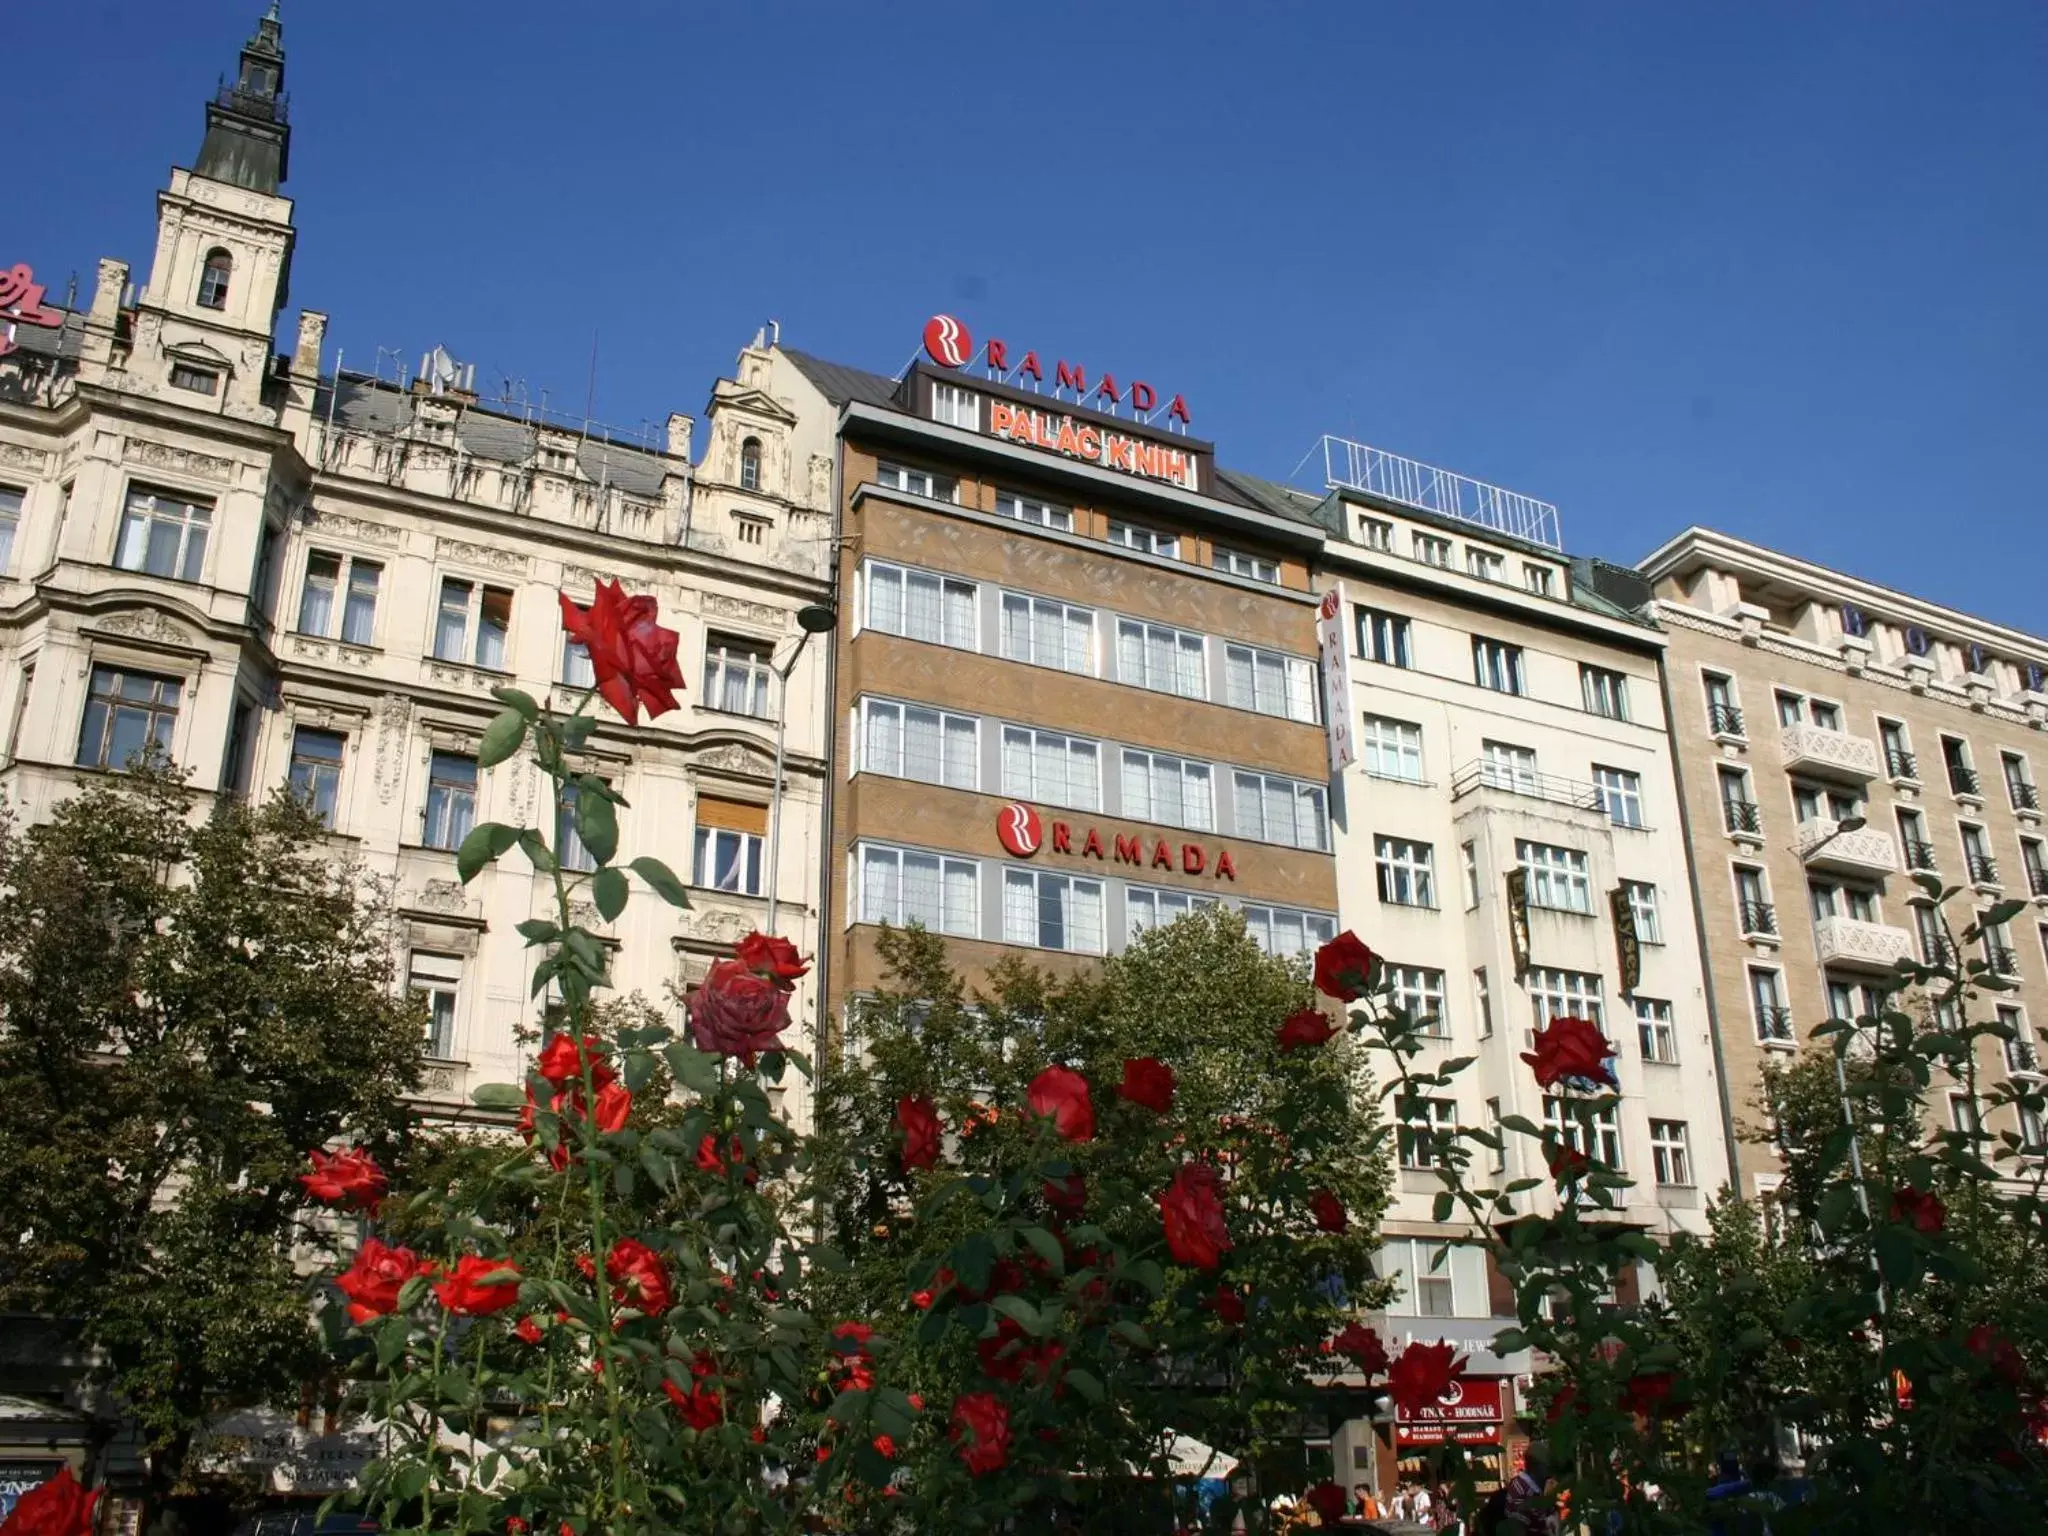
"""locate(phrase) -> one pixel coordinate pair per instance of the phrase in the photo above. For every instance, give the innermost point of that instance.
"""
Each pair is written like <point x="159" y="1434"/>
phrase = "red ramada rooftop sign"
<point x="1023" y="833"/>
<point x="948" y="343"/>
<point x="21" y="303"/>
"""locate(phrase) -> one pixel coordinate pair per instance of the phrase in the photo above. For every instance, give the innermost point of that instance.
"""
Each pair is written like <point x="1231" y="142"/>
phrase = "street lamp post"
<point x="812" y="619"/>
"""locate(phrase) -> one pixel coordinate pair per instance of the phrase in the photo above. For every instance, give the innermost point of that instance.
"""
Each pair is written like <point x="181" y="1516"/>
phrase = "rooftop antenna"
<point x="590" y="395"/>
<point x="774" y="333"/>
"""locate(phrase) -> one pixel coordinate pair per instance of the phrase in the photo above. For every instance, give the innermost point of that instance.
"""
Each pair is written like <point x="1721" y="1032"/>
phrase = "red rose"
<point x="1925" y="1213"/>
<point x="1363" y="1345"/>
<point x="1565" y="1401"/>
<point x="1567" y="1163"/>
<point x="1571" y="1048"/>
<point x="1422" y="1375"/>
<point x="1649" y="1394"/>
<point x="639" y="1278"/>
<point x="58" y="1506"/>
<point x="562" y="1064"/>
<point x="1061" y="1093"/>
<point x="373" y="1281"/>
<point x="922" y="1300"/>
<point x="467" y="1292"/>
<point x="885" y="1447"/>
<point x="350" y="1178"/>
<point x="1192" y="1210"/>
<point x="701" y="1406"/>
<point x="514" y="1526"/>
<point x="1344" y="968"/>
<point x="1009" y="1354"/>
<point x="853" y="1337"/>
<point x="1327" y="1500"/>
<point x="1329" y="1211"/>
<point x="632" y="657"/>
<point x="1304" y="1026"/>
<point x="1068" y="1197"/>
<point x="1997" y="1351"/>
<point x="922" y="1132"/>
<point x="1228" y="1305"/>
<point x="614" y="1104"/>
<point x="981" y="1428"/>
<point x="772" y="956"/>
<point x="528" y="1331"/>
<point x="1150" y="1082"/>
<point x="737" y="1013"/>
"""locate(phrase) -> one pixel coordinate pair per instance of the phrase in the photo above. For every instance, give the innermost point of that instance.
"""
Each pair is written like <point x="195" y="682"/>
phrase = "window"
<point x="1502" y="765"/>
<point x="1927" y="929"/>
<point x="1237" y="563"/>
<point x="1167" y="790"/>
<point x="1724" y="718"/>
<point x="1537" y="578"/>
<point x="1048" y="633"/>
<point x="1955" y="756"/>
<point x="736" y="675"/>
<point x="438" y="980"/>
<point x="1052" y="911"/>
<point x="1268" y="682"/>
<point x="2033" y="1133"/>
<point x="1282" y="931"/>
<point x="1963" y="1116"/>
<point x="1738" y="810"/>
<point x="316" y="770"/>
<point x="1430" y="549"/>
<point x="1558" y="878"/>
<point x="1145" y="907"/>
<point x="1654" y="1031"/>
<point x="24" y="685"/>
<point x="1753" y="906"/>
<point x="1420" y="1119"/>
<point x="900" y="886"/>
<point x="749" y="530"/>
<point x="1773" y="1018"/>
<point x="956" y="407"/>
<point x="1497" y="1156"/>
<point x="1374" y="533"/>
<point x="727" y="853"/>
<point x="1406" y="871"/>
<point x="1668" y="1154"/>
<point x="1642" y="901"/>
<point x="920" y="605"/>
<point x="329" y="574"/>
<point x="1899" y="762"/>
<point x="907" y="741"/>
<point x="1620" y="795"/>
<point x="201" y="381"/>
<point x="1145" y="540"/>
<point x="1605" y="692"/>
<point x="1419" y="993"/>
<point x="1051" y="767"/>
<point x="577" y="671"/>
<point x="1484" y="564"/>
<point x="163" y="535"/>
<point x="2019" y="783"/>
<point x="569" y="848"/>
<point x="750" y="464"/>
<point x="489" y="608"/>
<point x="126" y="714"/>
<point x="1811" y="803"/>
<point x="2031" y="860"/>
<point x="1850" y="1002"/>
<point x="213" y="279"/>
<point x="241" y="747"/>
<point x="1469" y="853"/>
<point x="10" y="520"/>
<point x="1028" y="509"/>
<point x="1827" y="716"/>
<point x="1605" y="1146"/>
<point x="1383" y="637"/>
<point x="1564" y="995"/>
<point x="1828" y="899"/>
<point x="917" y="482"/>
<point x="1392" y="749"/>
<point x="1977" y="855"/>
<point x="451" y="799"/>
<point x="1276" y="810"/>
<point x="1496" y="665"/>
<point x="1162" y="659"/>
<point x="1791" y="708"/>
<point x="1913" y="839"/>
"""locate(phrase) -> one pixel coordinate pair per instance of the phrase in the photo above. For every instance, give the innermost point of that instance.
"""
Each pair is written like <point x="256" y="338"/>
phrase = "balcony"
<point x="1866" y="851"/>
<point x="2002" y="960"/>
<point x="2037" y="880"/>
<point x="1830" y="754"/>
<point x="1774" y="1026"/>
<point x="1919" y="855"/>
<point x="2025" y="797"/>
<point x="1901" y="764"/>
<point x="1479" y="774"/>
<point x="1964" y="783"/>
<point x="2022" y="1058"/>
<point x="1759" y="919"/>
<point x="1983" y="868"/>
<point x="1741" y="818"/>
<point x="1856" y="945"/>
<point x="1726" y="720"/>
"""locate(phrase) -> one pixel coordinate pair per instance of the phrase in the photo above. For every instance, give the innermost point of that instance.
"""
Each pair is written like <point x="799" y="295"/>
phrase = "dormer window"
<point x="750" y="464"/>
<point x="213" y="279"/>
<point x="258" y="79"/>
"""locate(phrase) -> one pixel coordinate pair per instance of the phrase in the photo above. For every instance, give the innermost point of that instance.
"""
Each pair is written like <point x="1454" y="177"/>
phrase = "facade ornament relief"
<point x="394" y="719"/>
<point x="728" y="607"/>
<point x="22" y="457"/>
<point x="719" y="925"/>
<point x="734" y="758"/>
<point x="146" y="624"/>
<point x="344" y="526"/>
<point x="442" y="896"/>
<point x="458" y="676"/>
<point x="203" y="466"/>
<point x="821" y="481"/>
<point x="481" y="554"/>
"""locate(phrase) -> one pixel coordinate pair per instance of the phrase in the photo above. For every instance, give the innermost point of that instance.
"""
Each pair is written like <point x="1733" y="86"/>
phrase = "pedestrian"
<point x="1523" y="1499"/>
<point x="1368" y="1505"/>
<point x="1420" y="1504"/>
<point x="1397" y="1506"/>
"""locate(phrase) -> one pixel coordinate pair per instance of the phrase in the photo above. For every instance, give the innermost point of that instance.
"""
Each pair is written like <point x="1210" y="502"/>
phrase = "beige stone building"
<point x="1834" y="737"/>
<point x="290" y="575"/>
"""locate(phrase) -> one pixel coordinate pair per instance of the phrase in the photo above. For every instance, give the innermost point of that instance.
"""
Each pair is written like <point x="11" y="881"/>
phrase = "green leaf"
<point x="1046" y="1246"/>
<point x="1520" y="1123"/>
<point x="661" y="880"/>
<point x="1442" y="1206"/>
<point x="609" y="889"/>
<point x="1517" y="1186"/>
<point x="596" y="822"/>
<point x="537" y="852"/>
<point x="521" y="701"/>
<point x="1897" y="1259"/>
<point x="1084" y="1382"/>
<point x="1022" y="1312"/>
<point x="1131" y="1334"/>
<point x="696" y="1070"/>
<point x="501" y="738"/>
<point x="486" y="840"/>
<point x="537" y="930"/>
<point x="1146" y="1272"/>
<point x="498" y="1096"/>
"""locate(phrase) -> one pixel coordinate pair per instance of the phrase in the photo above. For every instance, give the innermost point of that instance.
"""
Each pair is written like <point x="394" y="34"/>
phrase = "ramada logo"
<point x="1019" y="829"/>
<point x="1332" y="600"/>
<point x="947" y="341"/>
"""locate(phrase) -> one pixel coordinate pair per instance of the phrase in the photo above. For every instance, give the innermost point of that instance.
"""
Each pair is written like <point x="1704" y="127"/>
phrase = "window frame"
<point x="452" y="791"/>
<point x="476" y="622"/>
<point x="749" y="854"/>
<point x="1656" y="1032"/>
<point x="1064" y="615"/>
<point x="1571" y="872"/>
<point x="1143" y="540"/>
<point x="946" y="720"/>
<point x="1604" y="692"/>
<point x="1157" y="895"/>
<point x="141" y="506"/>
<point x="1622" y="798"/>
<point x="1184" y="769"/>
<point x="322" y="771"/>
<point x="1397" y="869"/>
<point x="1065" y="743"/>
<point x="1297" y="682"/>
<point x="1556" y="993"/>
<point x="1497" y="666"/>
<point x="893" y="476"/>
<point x="1300" y="794"/>
<point x="167" y="696"/>
<point x="433" y="987"/>
<point x="1372" y="747"/>
<point x="1042" y="879"/>
<point x="944" y="587"/>
<point x="1021" y="509"/>
<point x="1269" y="914"/>
<point x="1146" y="633"/>
<point x="1243" y="563"/>
<point x="1649" y="912"/>
<point x="1421" y="991"/>
<point x="1376" y="624"/>
<point x="1671" y="1154"/>
<point x="747" y="659"/>
<point x="943" y="865"/>
<point x="216" y="279"/>
<point x="1421" y="1118"/>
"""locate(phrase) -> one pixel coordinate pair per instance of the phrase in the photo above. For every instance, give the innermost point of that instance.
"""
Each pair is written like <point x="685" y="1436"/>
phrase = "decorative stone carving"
<point x="146" y="624"/>
<point x="341" y="525"/>
<point x="203" y="466"/>
<point x="740" y="608"/>
<point x="734" y="758"/>
<point x="581" y="577"/>
<point x="442" y="896"/>
<point x="23" y="457"/>
<point x="719" y="925"/>
<point x="394" y="722"/>
<point x="1868" y="946"/>
<point x="1837" y="753"/>
<point x="456" y="675"/>
<point x="821" y="481"/>
<point x="482" y="554"/>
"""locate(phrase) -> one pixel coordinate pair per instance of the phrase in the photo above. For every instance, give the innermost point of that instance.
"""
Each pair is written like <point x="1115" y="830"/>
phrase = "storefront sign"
<point x="1469" y="1413"/>
<point x="1080" y="439"/>
<point x="18" y="1477"/>
<point x="1628" y="943"/>
<point x="1023" y="833"/>
<point x="950" y="344"/>
<point x="1336" y="650"/>
<point x="21" y="303"/>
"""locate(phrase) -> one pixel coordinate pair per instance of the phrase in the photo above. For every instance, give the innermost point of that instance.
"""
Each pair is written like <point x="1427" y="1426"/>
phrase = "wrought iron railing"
<point x="1481" y="774"/>
<point x="1725" y="720"/>
<point x="1742" y="816"/>
<point x="1759" y="917"/>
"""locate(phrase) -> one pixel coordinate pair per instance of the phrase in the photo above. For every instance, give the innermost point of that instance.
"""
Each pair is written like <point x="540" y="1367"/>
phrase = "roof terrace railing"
<point x="1410" y="483"/>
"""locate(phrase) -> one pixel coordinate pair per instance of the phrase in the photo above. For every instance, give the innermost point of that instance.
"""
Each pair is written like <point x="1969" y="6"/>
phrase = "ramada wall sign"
<point x="1023" y="833"/>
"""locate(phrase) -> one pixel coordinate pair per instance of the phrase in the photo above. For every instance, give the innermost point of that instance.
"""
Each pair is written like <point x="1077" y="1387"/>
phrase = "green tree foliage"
<point x="185" y="1007"/>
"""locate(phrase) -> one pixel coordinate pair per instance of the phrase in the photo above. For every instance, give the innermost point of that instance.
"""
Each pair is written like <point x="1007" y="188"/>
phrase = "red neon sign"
<point x="948" y="343"/>
<point x="1022" y="833"/>
<point x="21" y="303"/>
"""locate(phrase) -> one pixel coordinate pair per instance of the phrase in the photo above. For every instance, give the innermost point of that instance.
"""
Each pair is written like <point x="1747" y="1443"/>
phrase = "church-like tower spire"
<point x="248" y="135"/>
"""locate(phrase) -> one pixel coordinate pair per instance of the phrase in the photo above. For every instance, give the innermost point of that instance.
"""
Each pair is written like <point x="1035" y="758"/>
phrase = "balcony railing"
<point x="1834" y="754"/>
<point x="1758" y="917"/>
<point x="2037" y="880"/>
<point x="1963" y="781"/>
<point x="1983" y="869"/>
<point x="275" y="109"/>
<point x="1774" y="1026"/>
<point x="2002" y="960"/>
<point x="1901" y="764"/>
<point x="1742" y="816"/>
<point x="1725" y="720"/>
<point x="1919" y="855"/>
<point x="1864" y="851"/>
<point x="1849" y="941"/>
<point x="1480" y="774"/>
<point x="2025" y="797"/>
<point x="2022" y="1056"/>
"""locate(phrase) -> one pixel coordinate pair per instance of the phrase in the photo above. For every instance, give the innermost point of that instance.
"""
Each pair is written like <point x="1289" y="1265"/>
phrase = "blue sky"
<point x="1772" y="268"/>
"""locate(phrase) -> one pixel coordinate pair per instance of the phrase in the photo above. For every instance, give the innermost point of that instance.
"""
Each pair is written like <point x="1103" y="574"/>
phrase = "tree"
<point x="185" y="1007"/>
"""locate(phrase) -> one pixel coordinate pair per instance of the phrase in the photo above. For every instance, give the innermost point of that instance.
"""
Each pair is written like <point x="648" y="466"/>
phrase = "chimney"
<point x="678" y="436"/>
<point x="312" y="331"/>
<point x="106" y="298"/>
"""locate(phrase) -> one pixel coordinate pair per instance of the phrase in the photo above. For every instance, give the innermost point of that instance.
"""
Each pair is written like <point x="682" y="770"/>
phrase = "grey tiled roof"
<point x="1268" y="496"/>
<point x="52" y="341"/>
<point x="840" y="383"/>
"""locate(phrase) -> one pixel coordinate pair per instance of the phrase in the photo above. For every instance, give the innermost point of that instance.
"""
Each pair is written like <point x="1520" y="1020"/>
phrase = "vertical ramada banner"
<point x="1336" y="677"/>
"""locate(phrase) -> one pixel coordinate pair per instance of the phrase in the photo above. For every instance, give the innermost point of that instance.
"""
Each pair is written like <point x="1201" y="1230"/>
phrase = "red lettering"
<point x="999" y="355"/>
<point x="1030" y="366"/>
<point x="1147" y="456"/>
<point x="1059" y="838"/>
<point x="1091" y="442"/>
<point x="1191" y="858"/>
<point x="1129" y="850"/>
<point x="1068" y="443"/>
<point x="1179" y="409"/>
<point x="1092" y="849"/>
<point x="1143" y="395"/>
<point x="999" y="416"/>
<point x="1117" y="452"/>
<point x="1162" y="857"/>
<point x="1108" y="387"/>
<point x="1225" y="869"/>
<point x="1071" y="376"/>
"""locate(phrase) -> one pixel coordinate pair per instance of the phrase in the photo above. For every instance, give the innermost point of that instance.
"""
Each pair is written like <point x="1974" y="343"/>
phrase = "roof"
<point x="52" y="341"/>
<point x="1268" y="496"/>
<point x="840" y="384"/>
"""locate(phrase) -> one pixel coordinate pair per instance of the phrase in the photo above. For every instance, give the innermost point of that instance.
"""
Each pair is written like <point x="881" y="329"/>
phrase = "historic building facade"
<point x="294" y="578"/>
<point x="1836" y="737"/>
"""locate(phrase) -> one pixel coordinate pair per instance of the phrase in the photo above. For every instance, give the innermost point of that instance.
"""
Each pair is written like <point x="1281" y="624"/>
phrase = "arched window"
<point x="750" y="464"/>
<point x="213" y="280"/>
